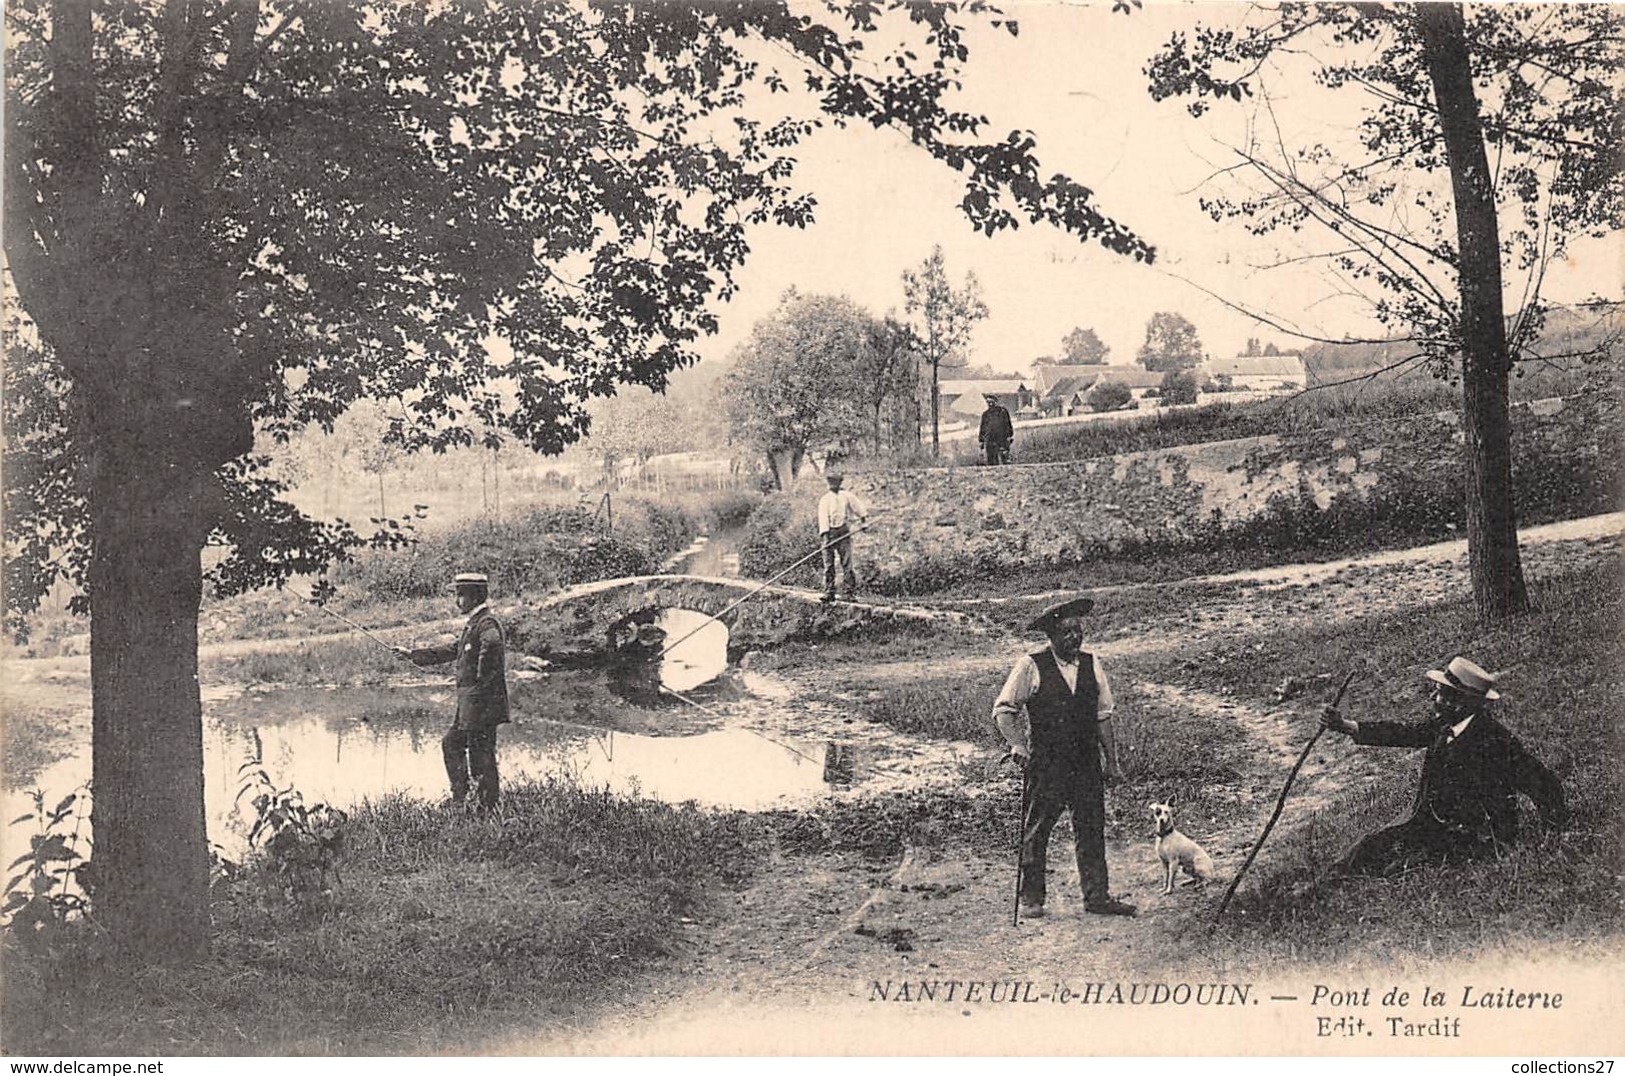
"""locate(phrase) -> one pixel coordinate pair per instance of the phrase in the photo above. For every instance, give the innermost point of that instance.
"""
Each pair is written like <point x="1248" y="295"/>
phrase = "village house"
<point x="1063" y="389"/>
<point x="965" y="400"/>
<point x="1257" y="373"/>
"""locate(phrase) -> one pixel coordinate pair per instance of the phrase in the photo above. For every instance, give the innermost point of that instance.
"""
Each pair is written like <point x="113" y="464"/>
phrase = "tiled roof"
<point x="1256" y="366"/>
<point x="1133" y="376"/>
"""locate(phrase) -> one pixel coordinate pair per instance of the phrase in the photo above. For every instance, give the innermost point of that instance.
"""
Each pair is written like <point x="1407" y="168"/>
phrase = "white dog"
<point x="1177" y="851"/>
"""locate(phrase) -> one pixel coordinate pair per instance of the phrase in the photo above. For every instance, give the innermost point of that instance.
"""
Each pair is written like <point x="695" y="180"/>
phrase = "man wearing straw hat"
<point x="470" y="745"/>
<point x="1474" y="769"/>
<point x="1066" y="737"/>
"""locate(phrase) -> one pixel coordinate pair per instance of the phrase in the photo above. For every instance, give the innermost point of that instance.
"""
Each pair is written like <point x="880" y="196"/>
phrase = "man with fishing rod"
<point x="470" y="745"/>
<point x="1066" y="751"/>
<point x="836" y="510"/>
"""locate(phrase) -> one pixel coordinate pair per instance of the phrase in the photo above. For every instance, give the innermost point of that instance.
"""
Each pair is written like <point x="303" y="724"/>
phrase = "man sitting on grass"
<point x="1467" y="805"/>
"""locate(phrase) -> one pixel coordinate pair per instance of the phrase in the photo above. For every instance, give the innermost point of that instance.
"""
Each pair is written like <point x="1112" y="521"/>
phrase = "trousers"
<point x="1044" y="797"/>
<point x="1410" y="844"/>
<point x="471" y="750"/>
<point x="838" y="548"/>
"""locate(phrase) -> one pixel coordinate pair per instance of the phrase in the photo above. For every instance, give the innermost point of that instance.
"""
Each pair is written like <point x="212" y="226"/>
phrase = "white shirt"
<point x="1459" y="728"/>
<point x="835" y="507"/>
<point x="1022" y="684"/>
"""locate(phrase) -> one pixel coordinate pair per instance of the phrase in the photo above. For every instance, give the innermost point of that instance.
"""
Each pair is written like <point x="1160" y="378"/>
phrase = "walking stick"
<point x="731" y="606"/>
<point x="1280" y="802"/>
<point x="1021" y="832"/>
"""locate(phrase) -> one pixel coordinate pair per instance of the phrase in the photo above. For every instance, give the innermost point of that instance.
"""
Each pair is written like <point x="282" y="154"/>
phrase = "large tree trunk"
<point x="1492" y="534"/>
<point x="157" y="422"/>
<point x="151" y="851"/>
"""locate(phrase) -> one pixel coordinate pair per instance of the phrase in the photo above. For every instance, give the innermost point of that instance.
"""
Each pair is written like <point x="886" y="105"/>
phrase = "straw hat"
<point x="1465" y="677"/>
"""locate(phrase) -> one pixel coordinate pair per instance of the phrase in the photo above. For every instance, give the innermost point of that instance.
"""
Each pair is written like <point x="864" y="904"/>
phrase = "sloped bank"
<point x="1384" y="484"/>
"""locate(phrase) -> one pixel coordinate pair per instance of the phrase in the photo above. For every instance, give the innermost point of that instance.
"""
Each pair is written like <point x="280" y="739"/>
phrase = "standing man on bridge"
<point x="997" y="431"/>
<point x="482" y="691"/>
<point x="1062" y="748"/>
<point x="836" y="510"/>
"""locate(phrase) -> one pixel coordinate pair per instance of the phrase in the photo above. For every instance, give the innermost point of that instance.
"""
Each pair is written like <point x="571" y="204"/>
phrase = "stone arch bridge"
<point x="577" y="620"/>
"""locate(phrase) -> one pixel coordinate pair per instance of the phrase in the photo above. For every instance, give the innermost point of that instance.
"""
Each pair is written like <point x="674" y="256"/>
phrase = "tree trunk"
<point x="151" y="851"/>
<point x="936" y="410"/>
<point x="1492" y="534"/>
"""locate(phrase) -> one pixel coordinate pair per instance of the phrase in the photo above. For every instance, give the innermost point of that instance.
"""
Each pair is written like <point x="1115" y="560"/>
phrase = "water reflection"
<point x="344" y="745"/>
<point x="675" y="649"/>
<point x="840" y="764"/>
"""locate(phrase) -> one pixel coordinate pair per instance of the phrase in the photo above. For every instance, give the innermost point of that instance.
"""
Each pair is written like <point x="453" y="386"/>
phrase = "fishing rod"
<point x="704" y="709"/>
<point x="363" y="629"/>
<point x="731" y="606"/>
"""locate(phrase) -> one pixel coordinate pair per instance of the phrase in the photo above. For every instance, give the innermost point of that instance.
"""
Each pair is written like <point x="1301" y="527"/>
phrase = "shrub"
<point x="1178" y="387"/>
<point x="1109" y="396"/>
<point x="539" y="551"/>
<point x="776" y="537"/>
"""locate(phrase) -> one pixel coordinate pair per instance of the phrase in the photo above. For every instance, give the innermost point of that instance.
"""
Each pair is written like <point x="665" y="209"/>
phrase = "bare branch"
<point x="1275" y="323"/>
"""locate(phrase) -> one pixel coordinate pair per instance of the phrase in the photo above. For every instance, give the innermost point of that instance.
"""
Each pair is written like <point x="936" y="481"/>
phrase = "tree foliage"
<point x="1170" y="343"/>
<point x="489" y="214"/>
<point x="1178" y="387"/>
<point x="235" y="218"/>
<point x="886" y="378"/>
<point x="1109" y="396"/>
<point x="794" y="385"/>
<point x="1084" y="346"/>
<point x="945" y="318"/>
<point x="1550" y="97"/>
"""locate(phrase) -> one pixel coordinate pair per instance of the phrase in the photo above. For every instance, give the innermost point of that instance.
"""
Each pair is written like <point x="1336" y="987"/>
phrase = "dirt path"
<point x="806" y="949"/>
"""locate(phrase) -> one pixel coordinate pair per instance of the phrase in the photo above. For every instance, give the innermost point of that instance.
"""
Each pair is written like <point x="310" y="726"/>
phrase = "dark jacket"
<point x="482" y="683"/>
<point x="996" y="426"/>
<point x="1470" y="786"/>
<point x="1063" y="724"/>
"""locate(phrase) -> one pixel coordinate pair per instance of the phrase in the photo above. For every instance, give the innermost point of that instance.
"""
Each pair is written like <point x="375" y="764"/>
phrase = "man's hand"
<point x="1332" y="718"/>
<point x="402" y="652"/>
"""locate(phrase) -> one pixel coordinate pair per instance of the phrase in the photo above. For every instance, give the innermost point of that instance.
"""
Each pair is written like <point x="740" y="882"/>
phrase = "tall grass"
<point x="1563" y="680"/>
<point x="450" y="928"/>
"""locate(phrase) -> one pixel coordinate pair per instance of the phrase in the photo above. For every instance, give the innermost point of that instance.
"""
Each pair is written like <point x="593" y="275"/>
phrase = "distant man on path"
<point x="1467" y="805"/>
<point x="1067" y="735"/>
<point x="997" y="431"/>
<point x="836" y="510"/>
<point x="470" y="745"/>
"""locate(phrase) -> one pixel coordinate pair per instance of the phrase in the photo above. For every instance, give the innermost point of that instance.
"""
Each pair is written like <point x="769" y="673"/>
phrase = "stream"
<point x="728" y="739"/>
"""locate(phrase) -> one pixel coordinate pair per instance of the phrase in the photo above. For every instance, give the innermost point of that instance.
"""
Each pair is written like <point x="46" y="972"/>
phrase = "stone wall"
<point x="1055" y="513"/>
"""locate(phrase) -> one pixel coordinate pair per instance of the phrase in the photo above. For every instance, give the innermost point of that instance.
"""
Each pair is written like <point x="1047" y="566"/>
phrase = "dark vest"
<point x="1065" y="724"/>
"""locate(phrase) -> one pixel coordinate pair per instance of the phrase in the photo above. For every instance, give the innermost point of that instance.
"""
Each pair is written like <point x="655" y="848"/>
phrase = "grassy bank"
<point x="1563" y="681"/>
<point x="446" y="929"/>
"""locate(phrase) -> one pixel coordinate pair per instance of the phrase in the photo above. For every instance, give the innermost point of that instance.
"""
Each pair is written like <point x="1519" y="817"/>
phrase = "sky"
<point x="1073" y="77"/>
